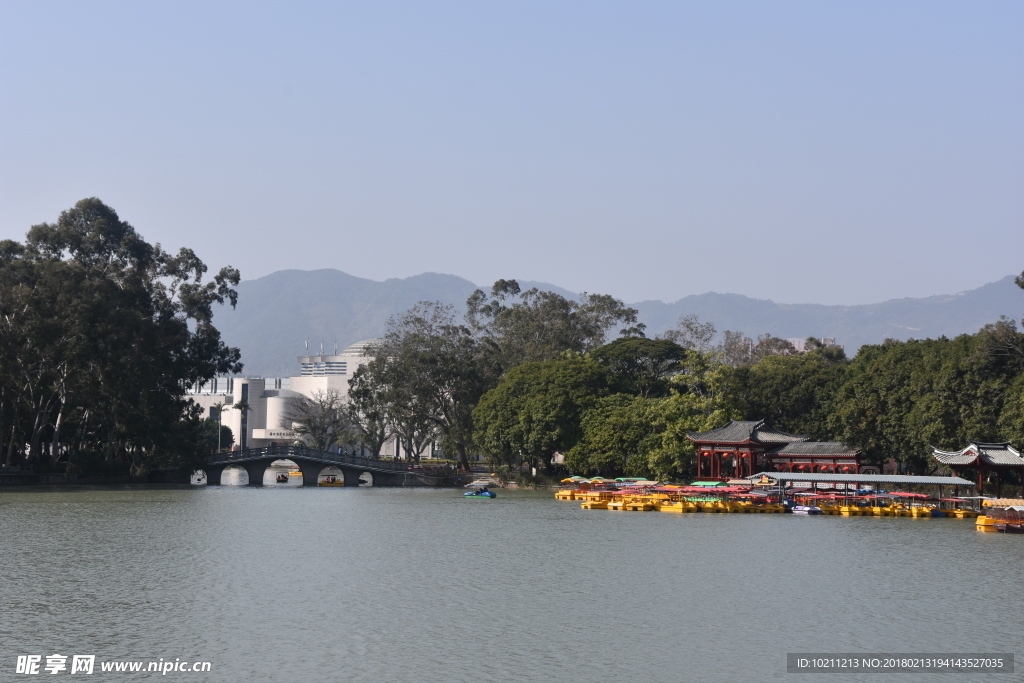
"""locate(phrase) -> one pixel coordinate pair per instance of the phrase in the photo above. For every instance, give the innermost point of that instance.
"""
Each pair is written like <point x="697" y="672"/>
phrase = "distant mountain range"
<point x="277" y="313"/>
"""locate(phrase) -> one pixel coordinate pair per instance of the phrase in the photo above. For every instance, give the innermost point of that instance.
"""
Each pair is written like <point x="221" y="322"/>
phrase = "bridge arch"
<point x="331" y="475"/>
<point x="283" y="469"/>
<point x="226" y="468"/>
<point x="232" y="475"/>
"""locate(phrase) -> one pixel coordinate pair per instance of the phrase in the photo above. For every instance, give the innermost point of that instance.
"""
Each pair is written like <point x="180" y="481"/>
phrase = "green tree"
<point x="441" y="370"/>
<point x="367" y="407"/>
<point x="535" y="410"/>
<point x="215" y="436"/>
<point x="638" y="436"/>
<point x="794" y="393"/>
<point x="901" y="398"/>
<point x="520" y="327"/>
<point x="101" y="332"/>
<point x="642" y="366"/>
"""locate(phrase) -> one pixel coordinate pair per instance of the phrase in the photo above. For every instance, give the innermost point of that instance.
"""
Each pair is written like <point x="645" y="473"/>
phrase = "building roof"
<point x="363" y="348"/>
<point x="828" y="478"/>
<point x="737" y="431"/>
<point x="993" y="454"/>
<point x="810" y="448"/>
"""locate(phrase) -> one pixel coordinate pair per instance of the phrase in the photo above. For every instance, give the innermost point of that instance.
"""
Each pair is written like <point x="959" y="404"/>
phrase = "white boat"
<point x="807" y="510"/>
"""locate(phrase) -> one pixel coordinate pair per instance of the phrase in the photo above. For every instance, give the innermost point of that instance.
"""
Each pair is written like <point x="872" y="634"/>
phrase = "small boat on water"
<point x="807" y="510"/>
<point x="331" y="480"/>
<point x="282" y="478"/>
<point x="1008" y="520"/>
<point x="483" y="493"/>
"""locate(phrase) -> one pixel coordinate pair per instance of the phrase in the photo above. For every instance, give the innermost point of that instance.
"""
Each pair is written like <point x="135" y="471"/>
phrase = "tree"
<point x="438" y="367"/>
<point x="101" y="332"/>
<point x="367" y="409"/>
<point x="535" y="410"/>
<point x="738" y="350"/>
<point x="1003" y="338"/>
<point x="692" y="334"/>
<point x="642" y="366"/>
<point x="219" y="409"/>
<point x="533" y="326"/>
<point x="901" y="398"/>
<point x="638" y="436"/>
<point x="794" y="393"/>
<point x="318" y="419"/>
<point x="215" y="435"/>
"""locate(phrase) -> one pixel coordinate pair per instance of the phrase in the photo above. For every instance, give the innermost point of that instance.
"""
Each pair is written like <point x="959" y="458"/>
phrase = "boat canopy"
<point x="828" y="478"/>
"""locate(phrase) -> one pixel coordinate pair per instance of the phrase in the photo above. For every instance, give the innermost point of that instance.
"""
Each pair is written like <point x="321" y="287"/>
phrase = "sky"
<point x="805" y="152"/>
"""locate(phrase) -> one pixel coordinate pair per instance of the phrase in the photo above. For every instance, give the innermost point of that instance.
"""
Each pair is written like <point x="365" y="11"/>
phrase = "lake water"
<point x="320" y="584"/>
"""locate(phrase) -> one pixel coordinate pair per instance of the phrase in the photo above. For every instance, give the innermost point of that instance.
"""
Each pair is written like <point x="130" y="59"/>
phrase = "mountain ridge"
<point x="276" y="313"/>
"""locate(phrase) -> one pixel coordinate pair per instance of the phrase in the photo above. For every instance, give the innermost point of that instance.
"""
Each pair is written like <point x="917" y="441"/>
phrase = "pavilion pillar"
<point x="999" y="485"/>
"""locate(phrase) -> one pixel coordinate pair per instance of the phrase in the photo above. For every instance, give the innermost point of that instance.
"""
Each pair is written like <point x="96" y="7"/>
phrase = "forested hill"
<point x="278" y="312"/>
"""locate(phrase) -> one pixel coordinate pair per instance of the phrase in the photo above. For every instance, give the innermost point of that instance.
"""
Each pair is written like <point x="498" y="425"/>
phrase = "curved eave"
<point x="696" y="439"/>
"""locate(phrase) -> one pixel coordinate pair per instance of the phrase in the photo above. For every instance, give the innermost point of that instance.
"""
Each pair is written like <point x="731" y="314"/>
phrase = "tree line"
<point x="526" y="375"/>
<point x="100" y="334"/>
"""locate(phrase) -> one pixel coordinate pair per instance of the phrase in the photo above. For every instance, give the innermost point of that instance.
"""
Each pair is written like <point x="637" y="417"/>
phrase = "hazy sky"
<point x="801" y="151"/>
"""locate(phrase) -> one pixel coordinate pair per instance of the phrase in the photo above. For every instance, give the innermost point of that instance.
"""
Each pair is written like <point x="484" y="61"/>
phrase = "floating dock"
<point x="777" y="492"/>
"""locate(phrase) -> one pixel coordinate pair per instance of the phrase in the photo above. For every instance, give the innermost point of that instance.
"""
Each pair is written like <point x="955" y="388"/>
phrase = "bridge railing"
<point x="280" y="451"/>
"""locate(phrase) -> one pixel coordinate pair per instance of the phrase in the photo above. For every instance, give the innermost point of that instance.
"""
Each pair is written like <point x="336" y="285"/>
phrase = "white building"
<point x="267" y="398"/>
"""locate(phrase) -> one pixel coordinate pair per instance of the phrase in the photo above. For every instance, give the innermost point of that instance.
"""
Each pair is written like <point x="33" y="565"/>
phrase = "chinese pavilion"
<point x="736" y="449"/>
<point x="815" y="456"/>
<point x="740" y="449"/>
<point x="982" y="458"/>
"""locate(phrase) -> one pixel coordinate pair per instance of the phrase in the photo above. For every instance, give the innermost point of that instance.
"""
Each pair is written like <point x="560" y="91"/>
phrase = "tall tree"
<point x="692" y="334"/>
<point x="642" y="366"/>
<point x="520" y="327"/>
<point x="101" y="332"/>
<point x="738" y="350"/>
<point x="442" y="371"/>
<point x="367" y="406"/>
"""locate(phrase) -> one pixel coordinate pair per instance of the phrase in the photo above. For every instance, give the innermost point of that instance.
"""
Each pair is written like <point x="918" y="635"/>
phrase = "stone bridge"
<point x="311" y="462"/>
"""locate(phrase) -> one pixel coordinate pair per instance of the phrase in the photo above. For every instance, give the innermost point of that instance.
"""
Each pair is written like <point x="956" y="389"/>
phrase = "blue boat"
<point x="481" y="494"/>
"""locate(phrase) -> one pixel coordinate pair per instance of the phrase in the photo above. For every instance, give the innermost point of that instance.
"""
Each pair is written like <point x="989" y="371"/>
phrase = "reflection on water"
<point x="317" y="584"/>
